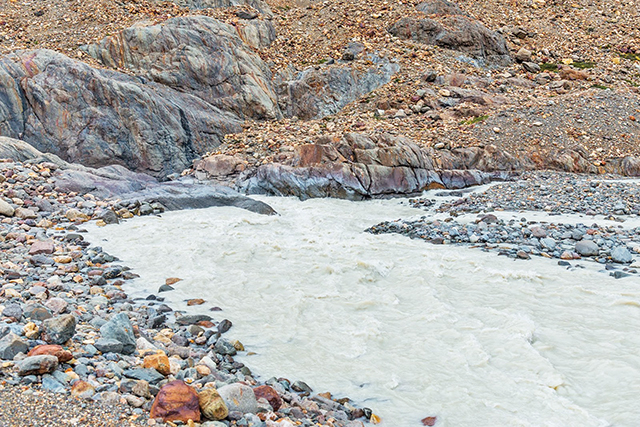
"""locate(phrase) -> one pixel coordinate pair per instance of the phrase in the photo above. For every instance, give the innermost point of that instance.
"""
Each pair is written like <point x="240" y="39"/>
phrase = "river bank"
<point x="68" y="328"/>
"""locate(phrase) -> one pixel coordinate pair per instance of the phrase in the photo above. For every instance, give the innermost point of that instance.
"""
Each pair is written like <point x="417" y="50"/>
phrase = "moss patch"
<point x="474" y="120"/>
<point x="548" y="66"/>
<point x="582" y="65"/>
<point x="631" y="56"/>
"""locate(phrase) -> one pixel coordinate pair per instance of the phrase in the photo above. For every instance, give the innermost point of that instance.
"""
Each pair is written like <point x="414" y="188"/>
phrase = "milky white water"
<point x="407" y="328"/>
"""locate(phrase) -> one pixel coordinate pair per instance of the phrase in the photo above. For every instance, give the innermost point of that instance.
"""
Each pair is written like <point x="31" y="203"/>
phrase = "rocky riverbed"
<point x="68" y="329"/>
<point x="551" y="193"/>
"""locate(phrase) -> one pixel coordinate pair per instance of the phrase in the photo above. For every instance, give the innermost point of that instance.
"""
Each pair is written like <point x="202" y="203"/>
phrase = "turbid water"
<point x="407" y="328"/>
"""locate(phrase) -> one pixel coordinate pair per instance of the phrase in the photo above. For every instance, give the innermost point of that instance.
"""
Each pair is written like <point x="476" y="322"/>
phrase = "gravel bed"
<point x="552" y="192"/>
<point x="614" y="246"/>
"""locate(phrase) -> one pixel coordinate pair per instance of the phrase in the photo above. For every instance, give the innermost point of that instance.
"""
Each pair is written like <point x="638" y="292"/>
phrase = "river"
<point x="404" y="327"/>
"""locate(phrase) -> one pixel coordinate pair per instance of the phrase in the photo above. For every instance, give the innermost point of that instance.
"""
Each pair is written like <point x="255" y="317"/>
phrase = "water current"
<point x="404" y="327"/>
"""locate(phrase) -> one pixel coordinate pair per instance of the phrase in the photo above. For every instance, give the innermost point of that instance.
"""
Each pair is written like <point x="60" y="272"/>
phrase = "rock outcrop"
<point x="357" y="167"/>
<point x="98" y="117"/>
<point x="318" y="92"/>
<point x="197" y="55"/>
<point x="118" y="182"/>
<point x="361" y="166"/>
<point x="455" y="30"/>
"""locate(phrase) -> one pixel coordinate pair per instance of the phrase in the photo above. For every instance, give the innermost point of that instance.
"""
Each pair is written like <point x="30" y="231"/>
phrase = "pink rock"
<point x="42" y="247"/>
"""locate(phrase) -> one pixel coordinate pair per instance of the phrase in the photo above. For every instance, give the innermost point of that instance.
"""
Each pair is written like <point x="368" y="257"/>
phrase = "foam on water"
<point x="407" y="328"/>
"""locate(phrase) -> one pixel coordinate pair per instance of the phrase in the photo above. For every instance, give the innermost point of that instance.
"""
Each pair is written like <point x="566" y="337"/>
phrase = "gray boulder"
<point x="197" y="55"/>
<point x="11" y="345"/>
<point x="117" y="119"/>
<point x="587" y="248"/>
<point x="621" y="255"/>
<point x="108" y="345"/>
<point x="239" y="397"/>
<point x="319" y="92"/>
<point x="60" y="329"/>
<point x="37" y="365"/>
<point x="455" y="31"/>
<point x="119" y="328"/>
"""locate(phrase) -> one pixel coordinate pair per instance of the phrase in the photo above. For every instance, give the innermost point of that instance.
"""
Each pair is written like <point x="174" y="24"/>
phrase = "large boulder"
<point x="197" y="55"/>
<point x="319" y="92"/>
<point x="119" y="328"/>
<point x="60" y="329"/>
<point x="176" y="401"/>
<point x="100" y="117"/>
<point x="239" y="397"/>
<point x="37" y="365"/>
<point x="455" y="30"/>
<point x="116" y="181"/>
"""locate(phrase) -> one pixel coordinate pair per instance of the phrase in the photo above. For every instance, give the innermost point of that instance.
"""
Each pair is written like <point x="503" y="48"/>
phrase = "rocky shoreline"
<point x="68" y="329"/>
<point x="552" y="193"/>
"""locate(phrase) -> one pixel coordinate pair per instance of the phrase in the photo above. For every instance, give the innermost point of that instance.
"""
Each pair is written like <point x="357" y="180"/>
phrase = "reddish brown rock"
<point x="221" y="165"/>
<point x="568" y="73"/>
<point x="51" y="350"/>
<point x="268" y="393"/>
<point x="176" y="401"/>
<point x="195" y="301"/>
<point x="429" y="421"/>
<point x="42" y="247"/>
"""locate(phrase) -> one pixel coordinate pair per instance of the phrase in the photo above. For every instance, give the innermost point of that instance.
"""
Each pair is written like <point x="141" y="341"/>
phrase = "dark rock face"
<point x="100" y="117"/>
<point x="455" y="31"/>
<point x="357" y="167"/>
<point x="200" y="56"/>
<point x="116" y="181"/>
<point x="316" y="93"/>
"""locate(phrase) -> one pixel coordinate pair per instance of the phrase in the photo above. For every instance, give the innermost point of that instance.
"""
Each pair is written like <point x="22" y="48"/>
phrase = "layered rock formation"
<point x="115" y="181"/>
<point x="197" y="55"/>
<point x="98" y="117"/>
<point x="195" y="80"/>
<point x="359" y="166"/>
<point x="355" y="167"/>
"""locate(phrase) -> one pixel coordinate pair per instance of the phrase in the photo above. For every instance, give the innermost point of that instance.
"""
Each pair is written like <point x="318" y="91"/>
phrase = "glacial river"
<point x="404" y="327"/>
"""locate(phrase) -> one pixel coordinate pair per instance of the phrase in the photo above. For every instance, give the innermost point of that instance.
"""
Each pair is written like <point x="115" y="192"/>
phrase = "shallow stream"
<point x="404" y="327"/>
